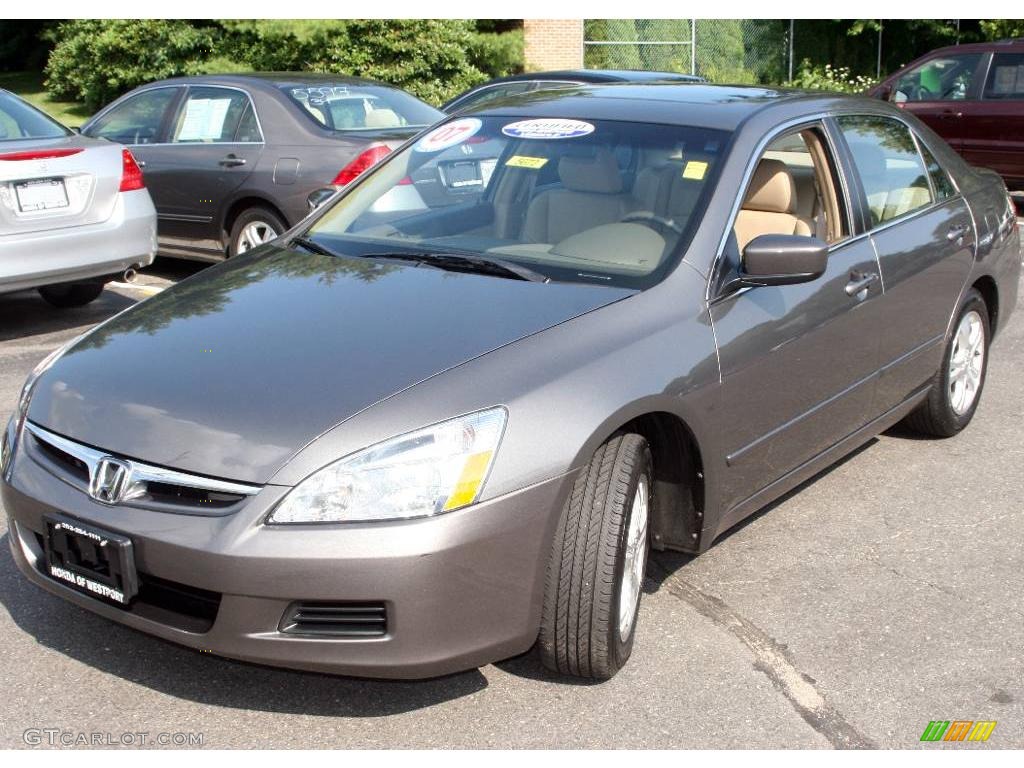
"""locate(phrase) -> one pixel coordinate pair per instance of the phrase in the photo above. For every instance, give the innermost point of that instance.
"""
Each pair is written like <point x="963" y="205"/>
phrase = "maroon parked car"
<point x="972" y="96"/>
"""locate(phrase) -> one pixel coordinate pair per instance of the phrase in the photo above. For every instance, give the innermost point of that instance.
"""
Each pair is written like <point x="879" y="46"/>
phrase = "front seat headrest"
<point x="596" y="173"/>
<point x="772" y="189"/>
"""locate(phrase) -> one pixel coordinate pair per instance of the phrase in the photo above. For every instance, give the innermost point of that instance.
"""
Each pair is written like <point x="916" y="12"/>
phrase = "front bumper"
<point x="70" y="254"/>
<point x="461" y="590"/>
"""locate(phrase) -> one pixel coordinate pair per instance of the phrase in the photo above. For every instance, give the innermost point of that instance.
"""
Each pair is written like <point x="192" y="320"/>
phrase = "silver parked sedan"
<point x="74" y="211"/>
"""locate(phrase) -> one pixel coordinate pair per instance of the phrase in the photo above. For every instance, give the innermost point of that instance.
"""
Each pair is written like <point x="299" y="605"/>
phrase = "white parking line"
<point x="147" y="290"/>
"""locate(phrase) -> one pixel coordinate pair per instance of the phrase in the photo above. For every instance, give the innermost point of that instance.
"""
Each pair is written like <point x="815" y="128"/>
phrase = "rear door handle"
<point x="232" y="160"/>
<point x="860" y="282"/>
<point x="956" y="233"/>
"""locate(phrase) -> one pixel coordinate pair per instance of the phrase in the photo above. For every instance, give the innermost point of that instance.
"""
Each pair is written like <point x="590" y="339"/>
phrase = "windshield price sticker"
<point x="522" y="161"/>
<point x="550" y="128"/>
<point x="448" y="135"/>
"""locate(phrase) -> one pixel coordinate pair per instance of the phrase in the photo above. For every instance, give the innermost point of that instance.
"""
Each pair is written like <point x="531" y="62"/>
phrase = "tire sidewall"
<point x="621" y="649"/>
<point x="973" y="302"/>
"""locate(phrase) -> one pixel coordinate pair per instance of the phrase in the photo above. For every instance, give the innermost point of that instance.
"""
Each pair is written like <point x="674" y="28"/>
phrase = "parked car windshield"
<point x="20" y="121"/>
<point x="344" y="107"/>
<point x="583" y="201"/>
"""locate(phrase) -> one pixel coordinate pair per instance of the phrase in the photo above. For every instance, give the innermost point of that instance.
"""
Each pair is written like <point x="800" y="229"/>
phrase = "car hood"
<point x="231" y="372"/>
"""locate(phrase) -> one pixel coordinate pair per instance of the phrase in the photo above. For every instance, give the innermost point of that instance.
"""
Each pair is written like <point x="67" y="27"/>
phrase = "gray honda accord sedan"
<point x="405" y="440"/>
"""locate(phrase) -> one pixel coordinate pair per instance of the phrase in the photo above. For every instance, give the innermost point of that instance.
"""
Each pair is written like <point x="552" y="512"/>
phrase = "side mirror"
<point x="885" y="93"/>
<point x="75" y="129"/>
<point x="783" y="260"/>
<point x="318" y="197"/>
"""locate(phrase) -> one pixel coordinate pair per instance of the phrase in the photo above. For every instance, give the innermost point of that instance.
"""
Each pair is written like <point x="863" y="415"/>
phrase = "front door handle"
<point x="956" y="233"/>
<point x="860" y="282"/>
<point x="232" y="161"/>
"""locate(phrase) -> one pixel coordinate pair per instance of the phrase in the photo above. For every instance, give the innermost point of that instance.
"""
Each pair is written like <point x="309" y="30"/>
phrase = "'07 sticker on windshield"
<point x="548" y="128"/>
<point x="448" y="135"/>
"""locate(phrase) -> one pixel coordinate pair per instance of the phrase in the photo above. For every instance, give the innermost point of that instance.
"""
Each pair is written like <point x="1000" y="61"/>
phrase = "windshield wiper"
<point x="312" y="246"/>
<point x="458" y="262"/>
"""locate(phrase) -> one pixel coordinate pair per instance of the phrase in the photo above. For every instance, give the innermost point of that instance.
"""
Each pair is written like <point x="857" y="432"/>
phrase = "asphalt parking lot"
<point x="881" y="595"/>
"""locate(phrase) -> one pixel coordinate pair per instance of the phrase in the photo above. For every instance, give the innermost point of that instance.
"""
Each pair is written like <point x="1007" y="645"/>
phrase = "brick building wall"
<point x="553" y="44"/>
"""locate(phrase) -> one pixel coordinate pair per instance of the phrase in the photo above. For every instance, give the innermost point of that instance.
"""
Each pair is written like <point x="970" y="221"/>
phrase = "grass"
<point x="29" y="86"/>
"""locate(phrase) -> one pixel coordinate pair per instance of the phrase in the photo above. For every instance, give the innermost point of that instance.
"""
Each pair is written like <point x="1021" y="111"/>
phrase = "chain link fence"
<point x="752" y="51"/>
<point x="721" y="50"/>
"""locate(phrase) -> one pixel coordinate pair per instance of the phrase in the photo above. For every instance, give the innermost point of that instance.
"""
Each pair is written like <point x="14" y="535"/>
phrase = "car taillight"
<point x="40" y="154"/>
<point x="362" y="162"/>
<point x="131" y="173"/>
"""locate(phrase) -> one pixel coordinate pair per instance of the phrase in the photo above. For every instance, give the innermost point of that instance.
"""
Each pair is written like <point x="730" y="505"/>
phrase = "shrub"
<point x="829" y="78"/>
<point x="96" y="60"/>
<point x="497" y="55"/>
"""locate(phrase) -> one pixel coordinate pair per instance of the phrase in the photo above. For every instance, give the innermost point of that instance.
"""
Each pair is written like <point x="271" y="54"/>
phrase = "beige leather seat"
<point x="591" y="196"/>
<point x="770" y="206"/>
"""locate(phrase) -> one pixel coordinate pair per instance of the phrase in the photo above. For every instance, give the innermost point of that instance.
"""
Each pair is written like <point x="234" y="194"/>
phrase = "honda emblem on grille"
<point x="109" y="480"/>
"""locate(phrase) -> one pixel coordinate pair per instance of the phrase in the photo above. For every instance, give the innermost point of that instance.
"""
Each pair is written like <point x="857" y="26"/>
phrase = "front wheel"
<point x="596" y="568"/>
<point x="956" y="387"/>
<point x="68" y="295"/>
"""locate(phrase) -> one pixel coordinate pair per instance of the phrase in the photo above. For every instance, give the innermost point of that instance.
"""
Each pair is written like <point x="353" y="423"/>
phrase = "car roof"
<point x="270" y="80"/>
<point x="597" y="76"/>
<point x="1014" y="45"/>
<point x="710" y="106"/>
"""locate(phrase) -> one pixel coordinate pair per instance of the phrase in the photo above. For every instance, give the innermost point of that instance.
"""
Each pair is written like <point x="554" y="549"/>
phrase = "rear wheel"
<point x="956" y="387"/>
<point x="67" y="295"/>
<point x="252" y="228"/>
<point x="596" y="568"/>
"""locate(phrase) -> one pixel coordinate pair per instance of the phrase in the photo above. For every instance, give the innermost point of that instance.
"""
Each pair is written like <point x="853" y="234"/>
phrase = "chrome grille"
<point x="144" y="484"/>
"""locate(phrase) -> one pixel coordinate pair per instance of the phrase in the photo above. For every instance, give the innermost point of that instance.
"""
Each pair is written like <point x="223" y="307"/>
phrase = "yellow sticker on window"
<point x="695" y="169"/>
<point x="522" y="161"/>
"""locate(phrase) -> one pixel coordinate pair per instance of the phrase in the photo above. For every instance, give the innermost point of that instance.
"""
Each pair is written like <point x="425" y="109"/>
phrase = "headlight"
<point x="433" y="470"/>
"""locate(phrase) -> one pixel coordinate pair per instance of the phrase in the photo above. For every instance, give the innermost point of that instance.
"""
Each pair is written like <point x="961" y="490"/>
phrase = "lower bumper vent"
<point x="335" y="619"/>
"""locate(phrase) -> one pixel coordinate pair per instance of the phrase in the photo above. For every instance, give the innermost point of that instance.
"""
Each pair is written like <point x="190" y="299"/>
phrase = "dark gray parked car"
<point x="527" y="82"/>
<point x="230" y="160"/>
<point x="407" y="442"/>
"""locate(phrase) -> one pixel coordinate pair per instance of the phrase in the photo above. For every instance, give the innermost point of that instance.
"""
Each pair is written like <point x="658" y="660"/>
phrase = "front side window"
<point x="890" y="168"/>
<point x="210" y="116"/>
<point x="18" y="120"/>
<point x="597" y="201"/>
<point x="344" y="107"/>
<point x="948" y="78"/>
<point x="793" y="191"/>
<point x="1006" y="77"/>
<point x="137" y="119"/>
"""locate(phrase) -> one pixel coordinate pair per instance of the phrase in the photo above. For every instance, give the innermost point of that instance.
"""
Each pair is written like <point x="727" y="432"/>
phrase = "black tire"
<point x="254" y="215"/>
<point x="936" y="416"/>
<point x="579" y="633"/>
<point x="68" y="295"/>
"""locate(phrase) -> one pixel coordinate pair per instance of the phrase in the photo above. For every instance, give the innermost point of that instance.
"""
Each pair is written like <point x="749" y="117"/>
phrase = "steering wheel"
<point x="658" y="222"/>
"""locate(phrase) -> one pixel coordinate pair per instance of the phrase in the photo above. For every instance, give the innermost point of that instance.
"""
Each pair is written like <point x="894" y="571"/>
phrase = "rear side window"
<point x="20" y="121"/>
<point x="137" y="119"/>
<point x="210" y="116"/>
<point x="941" y="183"/>
<point x="890" y="168"/>
<point x="1006" y="77"/>
<point x="344" y="107"/>
<point x="493" y="93"/>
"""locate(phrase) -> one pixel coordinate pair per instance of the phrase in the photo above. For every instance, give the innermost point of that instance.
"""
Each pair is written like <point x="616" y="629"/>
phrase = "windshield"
<point x="582" y="201"/>
<point x="20" y="121"/>
<point x="343" y="107"/>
